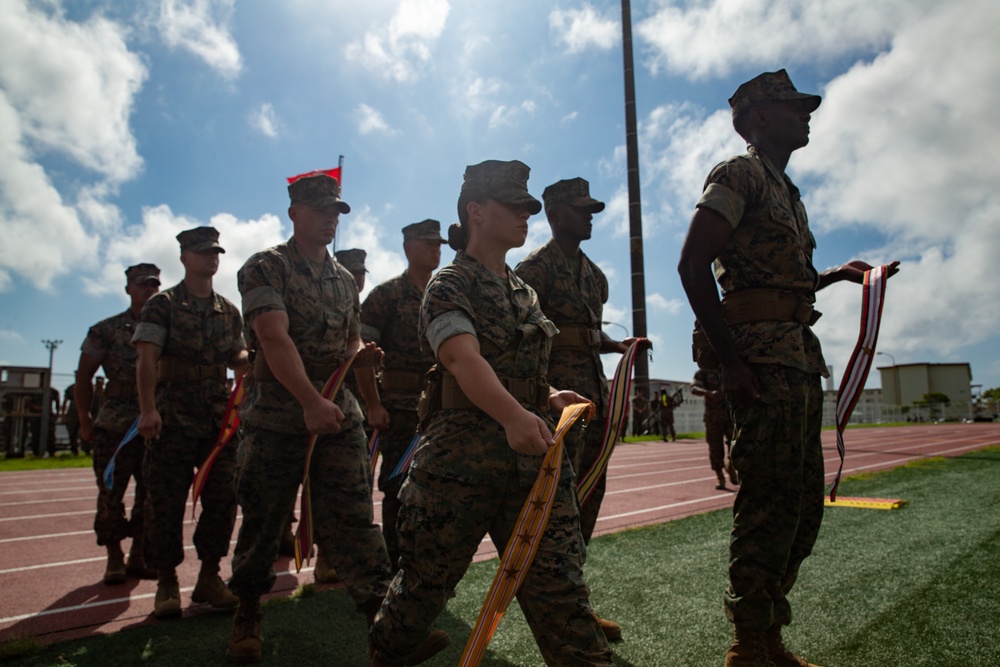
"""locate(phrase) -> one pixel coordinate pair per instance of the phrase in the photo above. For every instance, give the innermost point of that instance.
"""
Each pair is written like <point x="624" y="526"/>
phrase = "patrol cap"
<point x="141" y="273"/>
<point x="200" y="239"/>
<point x="319" y="191"/>
<point x="353" y="259"/>
<point x="572" y="191"/>
<point x="769" y="86"/>
<point x="505" y="182"/>
<point x="427" y="230"/>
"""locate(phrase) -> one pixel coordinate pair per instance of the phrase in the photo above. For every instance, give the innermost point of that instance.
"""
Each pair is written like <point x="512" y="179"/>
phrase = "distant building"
<point x="907" y="384"/>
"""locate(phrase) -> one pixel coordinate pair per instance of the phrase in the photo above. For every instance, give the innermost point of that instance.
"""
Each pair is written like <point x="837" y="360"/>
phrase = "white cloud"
<point x="583" y="28"/>
<point x="202" y="28"/>
<point x="265" y="120"/>
<point x="402" y="49"/>
<point x="504" y="115"/>
<point x="66" y="90"/>
<point x="713" y="37"/>
<point x="361" y="229"/>
<point x="9" y="336"/>
<point x="661" y="303"/>
<point x="154" y="240"/>
<point x="570" y="117"/>
<point x="371" y="121"/>
<point x="903" y="147"/>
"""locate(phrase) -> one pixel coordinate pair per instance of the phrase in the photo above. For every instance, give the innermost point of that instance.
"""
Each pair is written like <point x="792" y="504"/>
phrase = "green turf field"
<point x="918" y="586"/>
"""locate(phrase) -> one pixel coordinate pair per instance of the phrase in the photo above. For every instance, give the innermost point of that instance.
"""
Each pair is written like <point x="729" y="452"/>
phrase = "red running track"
<point x="51" y="568"/>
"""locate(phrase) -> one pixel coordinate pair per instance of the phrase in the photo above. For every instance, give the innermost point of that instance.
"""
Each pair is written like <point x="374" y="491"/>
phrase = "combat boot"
<point x="246" y="643"/>
<point x="612" y="631"/>
<point x="114" y="573"/>
<point x="209" y="588"/>
<point x="749" y="649"/>
<point x="780" y="655"/>
<point x="324" y="572"/>
<point x="167" y="603"/>
<point x="136" y="564"/>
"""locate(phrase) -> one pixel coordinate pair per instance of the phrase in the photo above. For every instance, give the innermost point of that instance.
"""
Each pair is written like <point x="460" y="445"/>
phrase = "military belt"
<point x="526" y="390"/>
<point x="758" y="305"/>
<point x="120" y="389"/>
<point x="173" y="369"/>
<point x="317" y="371"/>
<point x="402" y="381"/>
<point x="581" y="338"/>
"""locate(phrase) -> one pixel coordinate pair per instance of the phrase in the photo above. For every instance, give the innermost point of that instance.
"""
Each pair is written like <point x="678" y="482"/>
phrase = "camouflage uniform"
<point x="718" y="419"/>
<point x="389" y="317"/>
<point x="466" y="481"/>
<point x="202" y="333"/>
<point x="574" y="296"/>
<point x="110" y="342"/>
<point x="323" y="313"/>
<point x="776" y="448"/>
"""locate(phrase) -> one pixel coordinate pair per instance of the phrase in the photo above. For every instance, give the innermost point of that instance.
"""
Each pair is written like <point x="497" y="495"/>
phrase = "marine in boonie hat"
<point x="200" y="239"/>
<point x="318" y="191"/>
<point x="352" y="259"/>
<point x="505" y="182"/>
<point x="572" y="191"/>
<point x="426" y="230"/>
<point x="141" y="273"/>
<point x="769" y="86"/>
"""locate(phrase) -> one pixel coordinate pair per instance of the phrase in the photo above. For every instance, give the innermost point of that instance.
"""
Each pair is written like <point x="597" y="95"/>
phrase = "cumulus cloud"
<point x="371" y="121"/>
<point x="713" y="37"/>
<point x="264" y="120"/>
<point x="402" y="49"/>
<point x="154" y="240"/>
<point x="660" y="303"/>
<point x="582" y="28"/>
<point x="903" y="146"/>
<point x="201" y="27"/>
<point x="362" y="229"/>
<point x="504" y="115"/>
<point x="67" y="90"/>
<point x="9" y="336"/>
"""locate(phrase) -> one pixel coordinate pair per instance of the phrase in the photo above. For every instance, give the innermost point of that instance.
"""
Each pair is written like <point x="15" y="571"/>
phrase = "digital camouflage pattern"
<point x="318" y="191"/>
<point x="776" y="447"/>
<point x="352" y="259"/>
<point x="771" y="247"/>
<point x="271" y="466"/>
<point x="466" y="482"/>
<point x="572" y="191"/>
<point x="572" y="299"/>
<point x="323" y="313"/>
<point x="779" y="507"/>
<point x="505" y="182"/>
<point x="110" y="342"/>
<point x="769" y="86"/>
<point x="203" y="332"/>
<point x="199" y="239"/>
<point x="425" y="230"/>
<point x="718" y="419"/>
<point x="389" y="317"/>
<point x="515" y="338"/>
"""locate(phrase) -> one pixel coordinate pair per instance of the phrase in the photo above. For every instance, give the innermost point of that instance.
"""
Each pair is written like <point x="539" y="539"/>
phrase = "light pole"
<point x="43" y="441"/>
<point x="615" y="324"/>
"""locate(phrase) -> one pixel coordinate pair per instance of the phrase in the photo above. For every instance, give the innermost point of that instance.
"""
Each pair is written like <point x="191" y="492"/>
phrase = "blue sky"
<point x="122" y="124"/>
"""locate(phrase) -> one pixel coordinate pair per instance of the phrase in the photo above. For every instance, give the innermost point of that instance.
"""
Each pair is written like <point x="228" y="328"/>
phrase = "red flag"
<point x="332" y="173"/>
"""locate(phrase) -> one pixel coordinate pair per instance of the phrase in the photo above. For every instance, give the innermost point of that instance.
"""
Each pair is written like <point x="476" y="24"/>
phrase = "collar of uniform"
<point x="462" y="257"/>
<point x="186" y="297"/>
<point x="303" y="264"/>
<point x="562" y="263"/>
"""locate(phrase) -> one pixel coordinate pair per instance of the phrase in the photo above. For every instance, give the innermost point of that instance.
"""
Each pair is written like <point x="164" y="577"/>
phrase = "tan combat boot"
<point x="612" y="631"/>
<point x="114" y="573"/>
<point x="324" y="572"/>
<point x="780" y="655"/>
<point x="749" y="649"/>
<point x="167" y="603"/>
<point x="210" y="588"/>
<point x="246" y="642"/>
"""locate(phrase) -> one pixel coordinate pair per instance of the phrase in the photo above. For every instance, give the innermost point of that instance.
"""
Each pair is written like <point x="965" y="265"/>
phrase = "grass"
<point x="60" y="460"/>
<point x="914" y="587"/>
